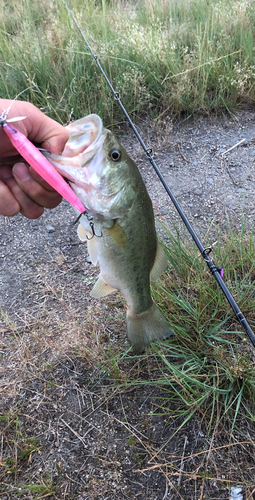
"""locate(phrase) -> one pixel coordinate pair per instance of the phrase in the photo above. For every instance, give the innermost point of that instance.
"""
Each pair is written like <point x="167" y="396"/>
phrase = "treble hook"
<point x="93" y="230"/>
<point x="91" y="223"/>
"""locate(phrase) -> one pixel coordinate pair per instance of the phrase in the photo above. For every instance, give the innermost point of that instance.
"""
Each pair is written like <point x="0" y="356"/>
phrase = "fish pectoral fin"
<point x="101" y="288"/>
<point x="118" y="235"/>
<point x="83" y="233"/>
<point x="86" y="235"/>
<point x="93" y="249"/>
<point x="160" y="263"/>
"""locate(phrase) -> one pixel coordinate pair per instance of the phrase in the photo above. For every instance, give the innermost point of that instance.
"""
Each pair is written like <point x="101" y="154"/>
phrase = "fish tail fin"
<point x="147" y="327"/>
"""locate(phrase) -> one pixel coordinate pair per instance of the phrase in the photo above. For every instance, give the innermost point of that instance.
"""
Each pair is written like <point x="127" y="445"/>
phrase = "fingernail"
<point x="20" y="170"/>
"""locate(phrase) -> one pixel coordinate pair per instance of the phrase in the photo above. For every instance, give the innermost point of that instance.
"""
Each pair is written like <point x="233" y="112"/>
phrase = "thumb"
<point x="56" y="140"/>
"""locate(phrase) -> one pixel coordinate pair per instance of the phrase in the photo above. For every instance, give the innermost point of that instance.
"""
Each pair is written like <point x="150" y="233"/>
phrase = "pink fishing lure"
<point x="31" y="154"/>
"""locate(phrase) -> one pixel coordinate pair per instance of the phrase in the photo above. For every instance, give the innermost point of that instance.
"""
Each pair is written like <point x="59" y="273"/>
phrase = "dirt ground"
<point x="84" y="437"/>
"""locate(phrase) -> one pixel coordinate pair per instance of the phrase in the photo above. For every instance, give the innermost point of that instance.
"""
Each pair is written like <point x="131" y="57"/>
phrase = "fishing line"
<point x="6" y="111"/>
<point x="216" y="271"/>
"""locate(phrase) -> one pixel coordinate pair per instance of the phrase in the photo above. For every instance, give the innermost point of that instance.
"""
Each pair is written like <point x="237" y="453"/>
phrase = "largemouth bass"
<point x="110" y="186"/>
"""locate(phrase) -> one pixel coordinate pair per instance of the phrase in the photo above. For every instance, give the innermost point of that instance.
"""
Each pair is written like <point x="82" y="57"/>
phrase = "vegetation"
<point x="161" y="55"/>
<point x="199" y="385"/>
<point x="207" y="367"/>
<point x="165" y="57"/>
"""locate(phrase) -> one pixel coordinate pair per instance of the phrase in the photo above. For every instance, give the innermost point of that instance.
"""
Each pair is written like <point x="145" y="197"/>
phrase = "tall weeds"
<point x="162" y="56"/>
<point x="208" y="366"/>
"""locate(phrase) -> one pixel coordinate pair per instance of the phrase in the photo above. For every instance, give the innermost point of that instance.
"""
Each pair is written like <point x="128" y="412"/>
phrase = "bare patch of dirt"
<point x="70" y="428"/>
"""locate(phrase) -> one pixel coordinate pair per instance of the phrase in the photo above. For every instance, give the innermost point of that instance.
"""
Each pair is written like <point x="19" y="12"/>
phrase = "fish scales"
<point x="109" y="184"/>
<point x="132" y="264"/>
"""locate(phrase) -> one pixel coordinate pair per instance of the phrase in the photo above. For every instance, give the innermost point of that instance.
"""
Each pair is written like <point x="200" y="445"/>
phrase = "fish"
<point x="119" y="225"/>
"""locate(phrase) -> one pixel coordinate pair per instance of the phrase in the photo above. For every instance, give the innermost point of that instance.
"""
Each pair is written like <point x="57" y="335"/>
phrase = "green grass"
<point x="162" y="56"/>
<point x="208" y="366"/>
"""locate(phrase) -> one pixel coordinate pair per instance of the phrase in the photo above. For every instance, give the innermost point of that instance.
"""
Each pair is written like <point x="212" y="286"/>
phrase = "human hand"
<point x="21" y="188"/>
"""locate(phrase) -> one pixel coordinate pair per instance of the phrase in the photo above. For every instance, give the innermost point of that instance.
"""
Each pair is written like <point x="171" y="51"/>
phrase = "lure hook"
<point x="91" y="223"/>
<point x="43" y="150"/>
<point x="93" y="232"/>
<point x="78" y="218"/>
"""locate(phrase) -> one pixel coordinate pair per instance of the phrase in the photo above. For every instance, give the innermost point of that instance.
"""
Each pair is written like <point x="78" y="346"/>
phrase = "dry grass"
<point x="84" y="418"/>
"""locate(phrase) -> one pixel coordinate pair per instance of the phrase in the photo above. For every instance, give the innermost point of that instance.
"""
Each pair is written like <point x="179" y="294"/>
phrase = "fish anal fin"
<point x="101" y="288"/>
<point x="118" y="235"/>
<point x="160" y="263"/>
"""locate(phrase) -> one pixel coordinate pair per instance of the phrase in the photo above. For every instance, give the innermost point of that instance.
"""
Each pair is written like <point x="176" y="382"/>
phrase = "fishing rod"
<point x="216" y="271"/>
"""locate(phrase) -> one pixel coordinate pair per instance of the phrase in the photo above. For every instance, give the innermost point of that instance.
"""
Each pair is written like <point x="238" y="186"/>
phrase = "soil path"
<point x="45" y="279"/>
<point x="209" y="165"/>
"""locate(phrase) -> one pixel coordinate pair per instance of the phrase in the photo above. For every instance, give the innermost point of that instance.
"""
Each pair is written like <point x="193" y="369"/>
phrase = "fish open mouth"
<point x="83" y="135"/>
<point x="85" y="139"/>
<point x="97" y="179"/>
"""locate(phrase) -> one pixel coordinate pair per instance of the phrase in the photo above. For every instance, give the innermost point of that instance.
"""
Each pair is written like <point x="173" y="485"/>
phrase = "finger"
<point x="9" y="206"/>
<point x="40" y="180"/>
<point x="33" y="189"/>
<point x="38" y="127"/>
<point x="20" y="202"/>
<point x="55" y="140"/>
<point x="9" y="160"/>
<point x="42" y="129"/>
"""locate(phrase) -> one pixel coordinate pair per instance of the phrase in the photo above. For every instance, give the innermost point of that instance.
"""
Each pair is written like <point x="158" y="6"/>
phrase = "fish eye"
<point x="115" y="154"/>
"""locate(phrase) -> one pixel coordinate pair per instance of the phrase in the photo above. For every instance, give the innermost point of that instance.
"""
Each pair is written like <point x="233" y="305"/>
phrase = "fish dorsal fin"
<point x="118" y="235"/>
<point x="101" y="288"/>
<point x="85" y="235"/>
<point x="160" y="263"/>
